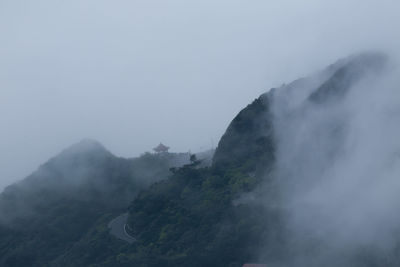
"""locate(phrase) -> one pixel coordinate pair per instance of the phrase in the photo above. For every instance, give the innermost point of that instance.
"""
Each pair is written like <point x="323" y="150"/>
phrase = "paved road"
<point x="118" y="228"/>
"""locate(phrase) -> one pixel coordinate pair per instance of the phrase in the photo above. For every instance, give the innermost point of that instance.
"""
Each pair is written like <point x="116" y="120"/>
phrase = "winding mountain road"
<point x="118" y="228"/>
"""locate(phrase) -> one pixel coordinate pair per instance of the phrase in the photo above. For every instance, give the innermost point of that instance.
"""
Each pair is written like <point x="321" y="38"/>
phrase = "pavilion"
<point x="161" y="148"/>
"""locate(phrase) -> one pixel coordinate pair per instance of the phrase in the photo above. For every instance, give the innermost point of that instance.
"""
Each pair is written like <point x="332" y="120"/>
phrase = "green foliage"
<point x="189" y="219"/>
<point x="248" y="138"/>
<point x="62" y="206"/>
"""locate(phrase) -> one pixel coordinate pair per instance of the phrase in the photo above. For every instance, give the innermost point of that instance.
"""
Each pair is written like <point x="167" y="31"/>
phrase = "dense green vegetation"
<point x="44" y="215"/>
<point x="248" y="142"/>
<point x="189" y="219"/>
<point x="192" y="219"/>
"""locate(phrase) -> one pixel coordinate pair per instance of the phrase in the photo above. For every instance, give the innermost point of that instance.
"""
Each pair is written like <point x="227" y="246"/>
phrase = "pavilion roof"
<point x="161" y="148"/>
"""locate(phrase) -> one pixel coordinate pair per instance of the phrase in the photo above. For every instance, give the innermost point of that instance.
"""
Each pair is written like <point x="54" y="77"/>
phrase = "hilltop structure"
<point x="161" y="148"/>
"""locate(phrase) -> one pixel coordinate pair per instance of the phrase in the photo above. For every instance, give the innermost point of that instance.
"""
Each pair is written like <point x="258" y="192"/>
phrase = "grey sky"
<point x="133" y="73"/>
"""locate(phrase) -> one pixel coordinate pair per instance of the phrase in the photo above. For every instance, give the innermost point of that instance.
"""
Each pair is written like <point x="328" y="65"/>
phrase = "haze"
<point x="133" y="73"/>
<point x="337" y="163"/>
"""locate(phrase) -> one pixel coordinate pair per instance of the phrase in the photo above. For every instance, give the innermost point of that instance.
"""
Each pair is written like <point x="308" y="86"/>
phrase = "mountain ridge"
<point x="190" y="217"/>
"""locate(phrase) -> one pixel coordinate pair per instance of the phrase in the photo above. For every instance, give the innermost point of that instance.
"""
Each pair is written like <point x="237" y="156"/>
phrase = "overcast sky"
<point x="133" y="73"/>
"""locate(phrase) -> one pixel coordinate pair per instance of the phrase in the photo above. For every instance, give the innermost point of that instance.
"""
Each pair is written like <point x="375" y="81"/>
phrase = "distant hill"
<point x="47" y="212"/>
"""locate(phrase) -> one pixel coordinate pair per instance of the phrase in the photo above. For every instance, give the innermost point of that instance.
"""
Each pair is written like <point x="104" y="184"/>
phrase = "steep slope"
<point x="247" y="139"/>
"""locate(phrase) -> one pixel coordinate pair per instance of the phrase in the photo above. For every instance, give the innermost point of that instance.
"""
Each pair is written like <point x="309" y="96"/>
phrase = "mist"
<point x="338" y="166"/>
<point x="133" y="73"/>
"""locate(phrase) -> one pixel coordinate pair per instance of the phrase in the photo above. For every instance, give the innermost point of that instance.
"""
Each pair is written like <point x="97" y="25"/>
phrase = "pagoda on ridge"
<point x="161" y="148"/>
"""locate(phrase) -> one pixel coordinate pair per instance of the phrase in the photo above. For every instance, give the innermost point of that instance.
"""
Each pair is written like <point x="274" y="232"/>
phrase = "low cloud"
<point x="338" y="169"/>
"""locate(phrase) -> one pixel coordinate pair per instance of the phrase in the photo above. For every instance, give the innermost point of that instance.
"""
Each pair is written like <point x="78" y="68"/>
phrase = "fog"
<point x="338" y="166"/>
<point x="133" y="73"/>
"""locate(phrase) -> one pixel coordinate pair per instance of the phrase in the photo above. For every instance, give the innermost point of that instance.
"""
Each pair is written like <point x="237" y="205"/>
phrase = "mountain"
<point x="46" y="213"/>
<point x="212" y="217"/>
<point x="224" y="214"/>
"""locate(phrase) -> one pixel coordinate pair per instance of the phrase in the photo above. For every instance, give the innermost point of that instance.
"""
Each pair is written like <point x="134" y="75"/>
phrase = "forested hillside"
<point x="45" y="214"/>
